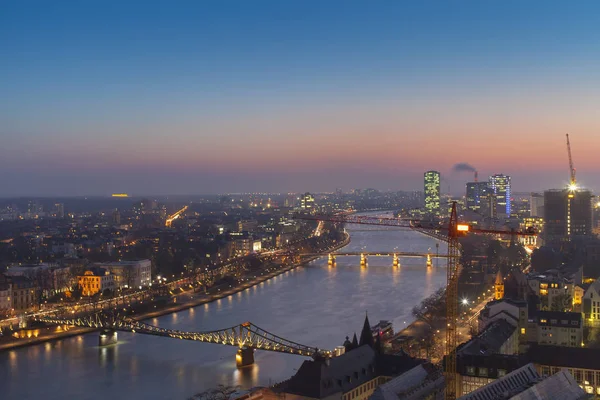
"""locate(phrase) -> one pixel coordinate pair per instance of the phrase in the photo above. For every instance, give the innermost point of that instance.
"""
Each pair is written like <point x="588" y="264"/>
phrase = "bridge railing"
<point x="246" y="335"/>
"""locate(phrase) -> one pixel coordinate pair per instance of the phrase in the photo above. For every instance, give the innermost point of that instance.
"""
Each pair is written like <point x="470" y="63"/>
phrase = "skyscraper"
<point x="477" y="197"/>
<point x="307" y="201"/>
<point x="59" y="210"/>
<point x="537" y="205"/>
<point x="561" y="222"/>
<point x="500" y="186"/>
<point x="432" y="193"/>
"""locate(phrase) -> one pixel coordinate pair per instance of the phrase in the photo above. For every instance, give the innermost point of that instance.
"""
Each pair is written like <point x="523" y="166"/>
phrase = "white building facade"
<point x="130" y="273"/>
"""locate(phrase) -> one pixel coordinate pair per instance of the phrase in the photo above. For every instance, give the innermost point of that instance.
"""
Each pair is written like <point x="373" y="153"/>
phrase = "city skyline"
<point x="203" y="99"/>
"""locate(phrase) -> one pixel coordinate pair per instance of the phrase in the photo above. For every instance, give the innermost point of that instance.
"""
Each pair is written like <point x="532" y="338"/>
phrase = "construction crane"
<point x="454" y="230"/>
<point x="573" y="181"/>
<point x="572" y="188"/>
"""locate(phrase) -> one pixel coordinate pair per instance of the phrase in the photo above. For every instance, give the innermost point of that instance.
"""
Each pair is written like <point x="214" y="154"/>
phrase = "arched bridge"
<point x="387" y="254"/>
<point x="247" y="337"/>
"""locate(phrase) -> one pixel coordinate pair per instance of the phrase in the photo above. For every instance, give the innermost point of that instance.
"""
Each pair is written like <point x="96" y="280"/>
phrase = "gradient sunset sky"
<point x="195" y="97"/>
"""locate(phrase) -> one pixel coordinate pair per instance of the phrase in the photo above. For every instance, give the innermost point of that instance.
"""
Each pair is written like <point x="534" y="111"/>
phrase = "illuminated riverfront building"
<point x="563" y="221"/>
<point x="95" y="280"/>
<point x="432" y="193"/>
<point x="129" y="273"/>
<point x="500" y="186"/>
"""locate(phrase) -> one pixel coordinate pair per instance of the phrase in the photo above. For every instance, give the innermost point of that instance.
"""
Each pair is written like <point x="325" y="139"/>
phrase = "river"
<point x="313" y="305"/>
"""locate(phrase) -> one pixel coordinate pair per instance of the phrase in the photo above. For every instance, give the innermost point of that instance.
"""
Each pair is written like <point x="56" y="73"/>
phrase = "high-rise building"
<point x="500" y="186"/>
<point x="34" y="209"/>
<point x="432" y="193"/>
<point x="116" y="217"/>
<point x="59" y="210"/>
<point x="537" y="205"/>
<point x="477" y="197"/>
<point x="566" y="217"/>
<point x="307" y="201"/>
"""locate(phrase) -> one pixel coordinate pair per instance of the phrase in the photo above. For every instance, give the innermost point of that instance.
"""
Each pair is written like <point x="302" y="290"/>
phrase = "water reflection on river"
<point x="315" y="305"/>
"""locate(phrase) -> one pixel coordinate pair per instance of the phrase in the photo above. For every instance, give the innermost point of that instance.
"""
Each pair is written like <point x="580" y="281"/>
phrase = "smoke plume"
<point x="464" y="167"/>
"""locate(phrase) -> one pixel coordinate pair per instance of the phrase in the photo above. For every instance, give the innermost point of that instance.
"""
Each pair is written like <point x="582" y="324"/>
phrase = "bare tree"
<point x="562" y="302"/>
<point x="432" y="308"/>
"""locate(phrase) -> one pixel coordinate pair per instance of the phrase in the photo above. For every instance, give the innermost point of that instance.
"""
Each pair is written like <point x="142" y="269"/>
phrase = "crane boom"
<point x="405" y="223"/>
<point x="571" y="168"/>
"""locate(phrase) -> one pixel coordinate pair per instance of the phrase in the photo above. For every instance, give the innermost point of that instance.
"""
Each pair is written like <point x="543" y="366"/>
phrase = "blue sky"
<point x="283" y="96"/>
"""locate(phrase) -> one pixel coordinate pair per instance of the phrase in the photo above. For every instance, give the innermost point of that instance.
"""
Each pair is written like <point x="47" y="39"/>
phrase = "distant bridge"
<point x="380" y="254"/>
<point x="247" y="337"/>
<point x="364" y="255"/>
<point x="388" y="254"/>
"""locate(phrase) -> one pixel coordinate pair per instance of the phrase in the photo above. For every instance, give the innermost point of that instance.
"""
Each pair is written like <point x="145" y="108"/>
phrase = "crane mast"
<point x="452" y="270"/>
<point x="572" y="189"/>
<point x="573" y="182"/>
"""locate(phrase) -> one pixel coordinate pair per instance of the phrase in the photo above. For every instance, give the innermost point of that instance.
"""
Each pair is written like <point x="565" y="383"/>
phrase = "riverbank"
<point x="213" y="294"/>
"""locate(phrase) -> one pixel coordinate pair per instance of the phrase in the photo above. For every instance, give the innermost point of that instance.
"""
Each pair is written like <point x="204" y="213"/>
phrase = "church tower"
<point x="366" y="335"/>
<point x="499" y="287"/>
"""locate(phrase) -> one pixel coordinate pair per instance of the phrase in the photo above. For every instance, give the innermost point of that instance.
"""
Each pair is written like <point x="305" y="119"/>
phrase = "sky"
<point x="199" y="97"/>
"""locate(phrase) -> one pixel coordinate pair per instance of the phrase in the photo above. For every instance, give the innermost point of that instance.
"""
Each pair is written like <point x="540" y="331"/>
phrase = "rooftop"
<point x="322" y="378"/>
<point x="568" y="357"/>
<point x="490" y="341"/>
<point x="526" y="384"/>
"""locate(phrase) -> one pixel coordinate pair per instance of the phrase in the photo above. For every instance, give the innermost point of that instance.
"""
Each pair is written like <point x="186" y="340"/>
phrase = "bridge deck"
<point x="246" y="335"/>
<point x="386" y="254"/>
<point x="380" y="254"/>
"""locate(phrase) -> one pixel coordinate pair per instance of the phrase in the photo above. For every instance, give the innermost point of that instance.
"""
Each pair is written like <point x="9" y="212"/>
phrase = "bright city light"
<point x="572" y="187"/>
<point x="462" y="228"/>
<point x="465" y="302"/>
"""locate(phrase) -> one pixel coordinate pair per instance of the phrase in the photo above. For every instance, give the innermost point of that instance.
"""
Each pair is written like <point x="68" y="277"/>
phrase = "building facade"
<point x="535" y="223"/>
<point x="581" y="362"/>
<point x="501" y="187"/>
<point x="249" y="225"/>
<point x="591" y="304"/>
<point x="567" y="215"/>
<point x="478" y="198"/>
<point x="432" y="193"/>
<point x="559" y="328"/>
<point x="23" y="294"/>
<point x="307" y="201"/>
<point x="5" y="299"/>
<point x="536" y="205"/>
<point x="96" y="280"/>
<point x="555" y="293"/>
<point x="130" y="273"/>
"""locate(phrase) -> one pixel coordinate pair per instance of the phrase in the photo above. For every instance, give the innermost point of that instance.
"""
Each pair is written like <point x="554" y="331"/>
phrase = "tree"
<point x="221" y="392"/>
<point x="431" y="308"/>
<point x="543" y="259"/>
<point x="562" y="302"/>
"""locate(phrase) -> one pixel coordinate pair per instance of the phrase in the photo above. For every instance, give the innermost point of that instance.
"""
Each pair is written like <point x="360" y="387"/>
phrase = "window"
<point x="483" y="371"/>
<point x="522" y="331"/>
<point x="501" y="373"/>
<point x="574" y="323"/>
